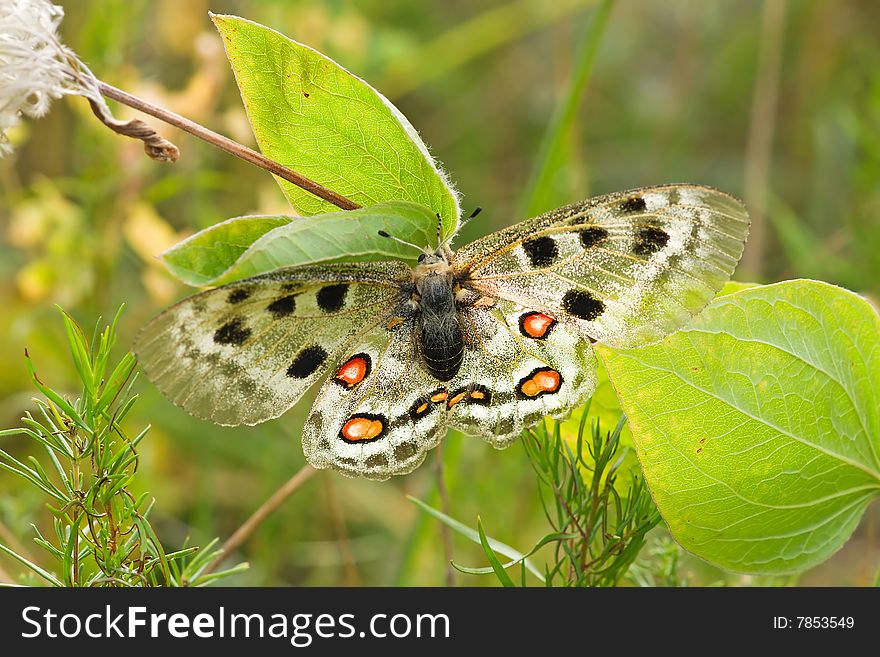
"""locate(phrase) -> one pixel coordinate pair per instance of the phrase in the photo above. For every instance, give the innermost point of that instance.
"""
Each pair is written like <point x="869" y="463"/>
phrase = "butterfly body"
<point x="486" y="340"/>
<point x="440" y="340"/>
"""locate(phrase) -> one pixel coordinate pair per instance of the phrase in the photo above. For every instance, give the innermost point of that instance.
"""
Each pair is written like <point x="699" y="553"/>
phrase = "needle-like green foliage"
<point x="101" y="533"/>
<point x="596" y="532"/>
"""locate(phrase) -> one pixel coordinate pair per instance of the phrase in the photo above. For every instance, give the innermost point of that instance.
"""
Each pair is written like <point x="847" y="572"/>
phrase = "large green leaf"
<point x="758" y="426"/>
<point x="606" y="409"/>
<point x="315" y="117"/>
<point x="247" y="246"/>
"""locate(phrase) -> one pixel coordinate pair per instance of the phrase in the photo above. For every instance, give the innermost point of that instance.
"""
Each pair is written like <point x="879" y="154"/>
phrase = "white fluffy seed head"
<point x="35" y="67"/>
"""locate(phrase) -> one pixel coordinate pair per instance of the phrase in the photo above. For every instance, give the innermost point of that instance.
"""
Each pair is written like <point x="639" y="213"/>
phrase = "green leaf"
<point x="53" y="396"/>
<point x="734" y="286"/>
<point x="203" y="257"/>
<point x="494" y="561"/>
<point x="464" y="530"/>
<point x="604" y="407"/>
<point x="758" y="425"/>
<point x="218" y="255"/>
<point x="315" y="117"/>
<point x="49" y="577"/>
<point x="488" y="570"/>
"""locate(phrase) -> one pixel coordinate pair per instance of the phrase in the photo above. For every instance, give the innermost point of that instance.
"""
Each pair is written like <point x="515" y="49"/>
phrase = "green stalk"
<point x="538" y="196"/>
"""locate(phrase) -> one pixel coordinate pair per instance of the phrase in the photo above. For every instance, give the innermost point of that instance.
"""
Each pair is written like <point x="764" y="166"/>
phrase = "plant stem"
<point x="445" y="532"/>
<point x="156" y="146"/>
<point x="350" y="570"/>
<point x="244" y="532"/>
<point x="228" y="145"/>
<point x="762" y="124"/>
<point x="538" y="196"/>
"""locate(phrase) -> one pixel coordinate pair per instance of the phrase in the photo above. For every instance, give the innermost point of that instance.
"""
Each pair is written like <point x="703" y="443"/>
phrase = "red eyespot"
<point x="542" y="381"/>
<point x="363" y="428"/>
<point x="536" y="325"/>
<point x="355" y="370"/>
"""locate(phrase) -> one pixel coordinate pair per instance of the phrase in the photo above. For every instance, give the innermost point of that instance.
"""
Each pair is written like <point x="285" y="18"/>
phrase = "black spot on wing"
<point x="332" y="297"/>
<point x="633" y="204"/>
<point x="282" y="307"/>
<point x="239" y="295"/>
<point x="592" y="236"/>
<point x="233" y="332"/>
<point x="541" y="251"/>
<point x="307" y="362"/>
<point x="582" y="304"/>
<point x="649" y="240"/>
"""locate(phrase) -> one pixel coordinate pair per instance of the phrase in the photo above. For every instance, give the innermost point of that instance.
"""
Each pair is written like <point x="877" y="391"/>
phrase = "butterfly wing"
<point x="626" y="268"/>
<point x="381" y="412"/>
<point x="521" y="366"/>
<point x="374" y="417"/>
<point x="245" y="352"/>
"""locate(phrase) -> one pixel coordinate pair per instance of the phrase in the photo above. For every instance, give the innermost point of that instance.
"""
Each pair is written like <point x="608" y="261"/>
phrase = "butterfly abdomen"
<point x="442" y="348"/>
<point x="440" y="339"/>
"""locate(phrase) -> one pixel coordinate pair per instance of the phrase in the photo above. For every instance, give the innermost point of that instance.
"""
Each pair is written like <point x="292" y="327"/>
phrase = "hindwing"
<point x="367" y="419"/>
<point x="380" y="411"/>
<point x="528" y="364"/>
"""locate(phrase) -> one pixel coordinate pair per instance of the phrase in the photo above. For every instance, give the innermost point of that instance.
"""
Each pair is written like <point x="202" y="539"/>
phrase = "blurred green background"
<point x="777" y="103"/>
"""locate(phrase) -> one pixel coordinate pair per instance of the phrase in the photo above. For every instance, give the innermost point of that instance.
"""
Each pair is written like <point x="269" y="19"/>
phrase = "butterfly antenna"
<point x="445" y="243"/>
<point x="463" y="223"/>
<point x="397" y="239"/>
<point x="477" y="210"/>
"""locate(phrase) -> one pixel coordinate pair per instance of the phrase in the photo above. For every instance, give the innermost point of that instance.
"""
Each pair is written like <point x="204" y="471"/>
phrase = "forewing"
<point x="245" y="352"/>
<point x="369" y="419"/>
<point x="626" y="268"/>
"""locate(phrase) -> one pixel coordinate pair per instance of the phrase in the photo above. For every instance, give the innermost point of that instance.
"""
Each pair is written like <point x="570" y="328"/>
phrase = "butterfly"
<point x="488" y="340"/>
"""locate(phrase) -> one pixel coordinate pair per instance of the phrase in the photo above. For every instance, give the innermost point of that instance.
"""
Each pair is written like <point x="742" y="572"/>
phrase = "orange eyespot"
<point x="473" y="394"/>
<point x="422" y="408"/>
<point x="355" y="370"/>
<point x="363" y="428"/>
<point x="536" y="325"/>
<point x="457" y="398"/>
<point x="480" y="395"/>
<point x="547" y="381"/>
<point x="542" y="381"/>
<point x="439" y="396"/>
